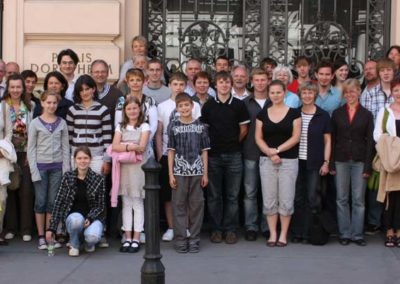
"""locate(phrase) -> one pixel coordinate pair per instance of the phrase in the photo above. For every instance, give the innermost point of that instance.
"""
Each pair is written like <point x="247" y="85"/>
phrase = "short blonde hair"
<point x="351" y="83"/>
<point x="310" y="86"/>
<point x="141" y="39"/>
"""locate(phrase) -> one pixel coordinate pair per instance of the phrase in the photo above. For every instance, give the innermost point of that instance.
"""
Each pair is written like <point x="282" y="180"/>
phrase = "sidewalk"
<point x="244" y="263"/>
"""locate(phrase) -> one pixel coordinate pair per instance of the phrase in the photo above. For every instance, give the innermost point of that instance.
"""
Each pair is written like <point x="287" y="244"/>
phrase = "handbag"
<point x="373" y="181"/>
<point x="16" y="175"/>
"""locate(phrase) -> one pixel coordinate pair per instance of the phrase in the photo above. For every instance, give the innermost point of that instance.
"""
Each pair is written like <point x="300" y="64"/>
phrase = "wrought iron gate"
<point x="248" y="30"/>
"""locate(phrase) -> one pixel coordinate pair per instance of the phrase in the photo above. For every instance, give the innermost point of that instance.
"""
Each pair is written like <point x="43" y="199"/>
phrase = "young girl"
<point x="132" y="134"/>
<point x="48" y="156"/>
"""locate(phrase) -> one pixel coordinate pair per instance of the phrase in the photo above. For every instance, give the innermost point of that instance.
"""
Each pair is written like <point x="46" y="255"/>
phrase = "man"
<point x="193" y="66"/>
<point x="12" y="68"/>
<point x="240" y="77"/>
<point x="251" y="154"/>
<point x="67" y="61"/>
<point x="329" y="98"/>
<point x="155" y="87"/>
<point x="108" y="95"/>
<point x="380" y="96"/>
<point x="268" y="65"/>
<point x="372" y="80"/>
<point x="222" y="63"/>
<point x="302" y="66"/>
<point x="2" y="77"/>
<point x="228" y="119"/>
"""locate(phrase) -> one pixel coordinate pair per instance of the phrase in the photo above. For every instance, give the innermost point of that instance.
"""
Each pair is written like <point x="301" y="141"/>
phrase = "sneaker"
<point x="73" y="251"/>
<point x="91" y="248"/>
<point x="103" y="242"/>
<point x="181" y="247"/>
<point x="9" y="236"/>
<point x="360" y="242"/>
<point x="188" y="233"/>
<point x="142" y="238"/>
<point x="57" y="245"/>
<point x="216" y="237"/>
<point x="168" y="235"/>
<point x="42" y="245"/>
<point x="27" y="238"/>
<point x="194" y="247"/>
<point x="371" y="230"/>
<point x="231" y="238"/>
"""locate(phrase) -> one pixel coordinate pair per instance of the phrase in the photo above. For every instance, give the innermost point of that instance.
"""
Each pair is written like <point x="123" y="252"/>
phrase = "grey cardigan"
<point x="47" y="147"/>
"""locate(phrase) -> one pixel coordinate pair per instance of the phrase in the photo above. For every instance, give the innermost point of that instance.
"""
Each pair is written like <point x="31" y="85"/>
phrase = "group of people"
<point x="307" y="144"/>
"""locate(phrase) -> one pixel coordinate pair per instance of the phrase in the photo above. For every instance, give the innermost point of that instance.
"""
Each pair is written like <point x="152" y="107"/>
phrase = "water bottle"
<point x="50" y="248"/>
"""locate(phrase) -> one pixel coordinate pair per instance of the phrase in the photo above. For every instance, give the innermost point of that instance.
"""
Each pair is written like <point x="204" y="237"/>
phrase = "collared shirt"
<point x="292" y="100"/>
<point x="330" y="101"/>
<point x="224" y="120"/>
<point x="374" y="99"/>
<point x="104" y="92"/>
<point x="69" y="93"/>
<point x="242" y="97"/>
<point x="2" y="89"/>
<point x="196" y="99"/>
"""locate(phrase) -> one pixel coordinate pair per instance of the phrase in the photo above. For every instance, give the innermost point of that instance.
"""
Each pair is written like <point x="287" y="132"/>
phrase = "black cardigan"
<point x="353" y="141"/>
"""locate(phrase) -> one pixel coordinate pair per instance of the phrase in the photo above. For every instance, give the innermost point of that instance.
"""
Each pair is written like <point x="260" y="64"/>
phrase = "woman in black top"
<point x="277" y="135"/>
<point x="80" y="204"/>
<point x="352" y="153"/>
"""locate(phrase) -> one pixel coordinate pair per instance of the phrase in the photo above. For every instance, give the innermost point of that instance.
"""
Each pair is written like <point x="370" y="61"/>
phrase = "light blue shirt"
<point x="292" y="100"/>
<point x="330" y="101"/>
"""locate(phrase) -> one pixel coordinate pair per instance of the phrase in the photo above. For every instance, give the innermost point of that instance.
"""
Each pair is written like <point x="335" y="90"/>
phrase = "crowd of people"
<point x="293" y="149"/>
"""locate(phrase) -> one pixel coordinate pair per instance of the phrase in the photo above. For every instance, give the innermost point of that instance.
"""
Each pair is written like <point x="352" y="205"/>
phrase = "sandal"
<point x="391" y="241"/>
<point x="281" y="244"/>
<point x="271" y="244"/>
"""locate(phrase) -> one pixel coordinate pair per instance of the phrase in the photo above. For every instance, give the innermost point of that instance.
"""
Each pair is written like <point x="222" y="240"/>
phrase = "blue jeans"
<point x="306" y="201"/>
<point x="92" y="234"/>
<point x="349" y="175"/>
<point x="46" y="190"/>
<point x="225" y="175"/>
<point x="251" y="184"/>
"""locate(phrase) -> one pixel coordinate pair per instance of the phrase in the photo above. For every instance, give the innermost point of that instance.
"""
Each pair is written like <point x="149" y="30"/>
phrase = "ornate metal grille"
<point x="248" y="30"/>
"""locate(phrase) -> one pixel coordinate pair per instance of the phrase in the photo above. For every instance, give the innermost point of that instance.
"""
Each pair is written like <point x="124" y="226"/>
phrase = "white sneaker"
<point x="27" y="238"/>
<point x="142" y="238"/>
<point x="103" y="243"/>
<point x="42" y="245"/>
<point x="168" y="235"/>
<point x="57" y="245"/>
<point x="73" y="251"/>
<point x="89" y="248"/>
<point x="187" y="233"/>
<point x="9" y="236"/>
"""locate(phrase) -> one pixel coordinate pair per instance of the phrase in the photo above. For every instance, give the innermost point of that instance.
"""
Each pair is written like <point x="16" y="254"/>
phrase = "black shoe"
<point x="371" y="230"/>
<point x="250" y="236"/>
<point x="344" y="241"/>
<point x="125" y="247"/>
<point x="296" y="240"/>
<point x="360" y="242"/>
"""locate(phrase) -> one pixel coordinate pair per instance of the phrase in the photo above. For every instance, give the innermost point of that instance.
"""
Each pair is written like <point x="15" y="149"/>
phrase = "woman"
<point x="388" y="121"/>
<point x="56" y="82"/>
<point x="314" y="156"/>
<point x="89" y="124"/>
<point x="277" y="135"/>
<point x="352" y="153"/>
<point x="394" y="55"/>
<point x="341" y="70"/>
<point x="49" y="157"/>
<point x="20" y="201"/>
<point x="80" y="204"/>
<point x="5" y="133"/>
<point x="284" y="74"/>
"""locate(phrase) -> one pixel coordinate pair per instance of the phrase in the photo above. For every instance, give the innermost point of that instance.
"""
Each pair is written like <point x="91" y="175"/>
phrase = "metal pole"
<point x="153" y="271"/>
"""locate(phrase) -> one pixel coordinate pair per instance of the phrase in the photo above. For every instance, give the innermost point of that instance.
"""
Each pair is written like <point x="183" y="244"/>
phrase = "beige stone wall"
<point x="36" y="30"/>
<point x="395" y="26"/>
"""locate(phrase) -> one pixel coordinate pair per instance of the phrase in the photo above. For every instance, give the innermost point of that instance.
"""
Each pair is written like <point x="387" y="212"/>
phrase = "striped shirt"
<point x="305" y="122"/>
<point x="90" y="127"/>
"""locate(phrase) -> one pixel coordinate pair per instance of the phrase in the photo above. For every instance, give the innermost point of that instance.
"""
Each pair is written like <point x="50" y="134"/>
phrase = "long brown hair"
<point x="24" y="98"/>
<point x="125" y="119"/>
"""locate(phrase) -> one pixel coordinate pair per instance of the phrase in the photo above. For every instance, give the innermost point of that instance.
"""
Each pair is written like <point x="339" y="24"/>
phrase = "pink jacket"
<point x="118" y="158"/>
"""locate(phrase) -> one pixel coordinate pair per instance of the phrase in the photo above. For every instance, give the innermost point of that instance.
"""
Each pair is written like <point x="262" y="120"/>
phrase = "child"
<point x="187" y="166"/>
<point x="132" y="134"/>
<point x="49" y="158"/>
<point x="166" y="114"/>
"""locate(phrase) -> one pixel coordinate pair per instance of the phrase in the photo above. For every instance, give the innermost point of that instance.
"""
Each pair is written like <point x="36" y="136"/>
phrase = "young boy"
<point x="167" y="113"/>
<point x="188" y="143"/>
